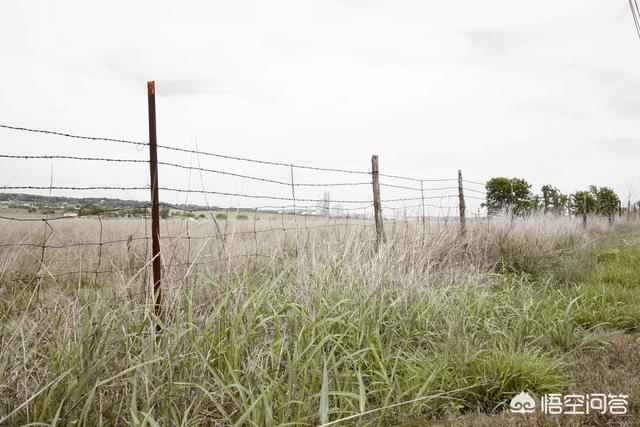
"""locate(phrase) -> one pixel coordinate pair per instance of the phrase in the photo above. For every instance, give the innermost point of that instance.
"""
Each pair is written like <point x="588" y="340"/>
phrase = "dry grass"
<point x="415" y="249"/>
<point x="268" y="325"/>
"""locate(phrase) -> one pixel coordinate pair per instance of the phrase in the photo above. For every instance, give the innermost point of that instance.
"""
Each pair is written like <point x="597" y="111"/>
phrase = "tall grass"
<point x="319" y="329"/>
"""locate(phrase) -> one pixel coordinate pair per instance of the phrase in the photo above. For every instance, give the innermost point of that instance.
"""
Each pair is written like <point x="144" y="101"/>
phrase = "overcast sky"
<point x="545" y="90"/>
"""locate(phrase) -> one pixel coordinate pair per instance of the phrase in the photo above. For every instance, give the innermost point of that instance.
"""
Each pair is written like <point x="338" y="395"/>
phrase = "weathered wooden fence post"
<point x="155" y="208"/>
<point x="377" y="204"/>
<point x="461" y="205"/>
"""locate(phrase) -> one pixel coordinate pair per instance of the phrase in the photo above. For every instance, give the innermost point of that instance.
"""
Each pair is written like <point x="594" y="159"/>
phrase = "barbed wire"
<point x="177" y="165"/>
<point x="255" y="178"/>
<point x="475" y="191"/>
<point x="175" y="238"/>
<point x="102" y="212"/>
<point x="72" y="245"/>
<point x="31" y="279"/>
<point x="382" y="184"/>
<point x="217" y="155"/>
<point x="426" y="205"/>
<point x="299" y="216"/>
<point x="474" y="182"/>
<point x="267" y="208"/>
<point x="385" y="175"/>
<point x="335" y="184"/>
<point x="269" y="197"/>
<point x="181" y="150"/>
<point x="69" y="135"/>
<point x="252" y="196"/>
<point x="57" y="187"/>
<point x="264" y="162"/>
<point x="101" y="159"/>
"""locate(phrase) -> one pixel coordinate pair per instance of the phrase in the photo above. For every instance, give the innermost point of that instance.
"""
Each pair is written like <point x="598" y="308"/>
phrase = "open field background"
<point x="345" y="213"/>
<point x="433" y="328"/>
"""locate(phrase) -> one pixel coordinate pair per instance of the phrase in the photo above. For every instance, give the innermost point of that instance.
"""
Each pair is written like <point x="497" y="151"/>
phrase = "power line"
<point x="635" y="13"/>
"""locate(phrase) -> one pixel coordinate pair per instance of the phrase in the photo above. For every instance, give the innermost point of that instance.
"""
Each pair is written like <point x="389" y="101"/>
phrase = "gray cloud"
<point x="493" y="87"/>
<point x="550" y="107"/>
<point x="132" y="67"/>
<point x="193" y="87"/>
<point x="617" y="144"/>
<point x="496" y="41"/>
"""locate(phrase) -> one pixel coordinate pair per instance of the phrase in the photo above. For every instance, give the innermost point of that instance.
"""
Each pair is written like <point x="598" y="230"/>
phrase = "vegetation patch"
<point x="278" y="348"/>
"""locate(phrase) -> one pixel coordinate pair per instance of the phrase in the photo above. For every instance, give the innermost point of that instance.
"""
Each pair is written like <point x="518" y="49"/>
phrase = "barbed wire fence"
<point x="287" y="213"/>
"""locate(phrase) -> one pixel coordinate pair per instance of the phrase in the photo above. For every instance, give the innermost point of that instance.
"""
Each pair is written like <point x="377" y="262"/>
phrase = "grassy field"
<point x="434" y="329"/>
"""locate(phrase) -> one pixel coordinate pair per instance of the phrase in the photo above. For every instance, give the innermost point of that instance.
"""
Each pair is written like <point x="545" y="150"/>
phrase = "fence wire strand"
<point x="211" y="240"/>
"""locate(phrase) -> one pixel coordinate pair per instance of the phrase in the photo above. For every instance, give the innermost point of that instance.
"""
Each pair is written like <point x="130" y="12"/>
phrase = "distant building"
<point x="70" y="215"/>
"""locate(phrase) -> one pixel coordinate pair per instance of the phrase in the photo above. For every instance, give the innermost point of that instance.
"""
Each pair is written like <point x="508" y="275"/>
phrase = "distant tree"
<point x="582" y="204"/>
<point x="139" y="212"/>
<point x="90" y="210"/>
<point x="607" y="201"/>
<point x="553" y="200"/>
<point x="561" y="204"/>
<point x="536" y="203"/>
<point x="512" y="194"/>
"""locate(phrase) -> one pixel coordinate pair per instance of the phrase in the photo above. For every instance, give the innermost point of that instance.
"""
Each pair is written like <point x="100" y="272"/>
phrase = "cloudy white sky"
<point x="544" y="90"/>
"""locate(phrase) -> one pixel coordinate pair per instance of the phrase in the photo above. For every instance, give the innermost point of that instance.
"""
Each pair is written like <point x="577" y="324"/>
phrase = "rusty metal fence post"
<point x="461" y="205"/>
<point x="377" y="204"/>
<point x="155" y="209"/>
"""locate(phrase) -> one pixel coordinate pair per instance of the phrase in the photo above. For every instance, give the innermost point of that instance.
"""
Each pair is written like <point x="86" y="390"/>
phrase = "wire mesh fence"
<point x="213" y="210"/>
